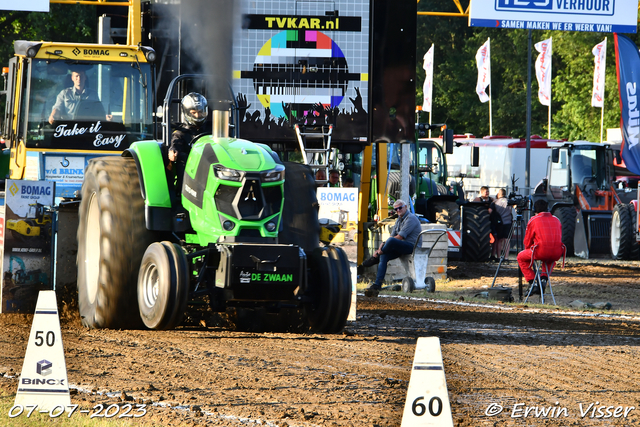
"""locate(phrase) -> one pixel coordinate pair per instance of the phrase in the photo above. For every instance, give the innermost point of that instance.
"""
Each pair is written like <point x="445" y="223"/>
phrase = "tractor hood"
<point x="233" y="190"/>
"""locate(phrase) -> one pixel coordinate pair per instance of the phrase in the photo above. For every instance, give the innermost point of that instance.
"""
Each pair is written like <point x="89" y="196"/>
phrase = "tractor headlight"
<point x="228" y="225"/>
<point x="270" y="226"/>
<point x="229" y="174"/>
<point x="273" y="175"/>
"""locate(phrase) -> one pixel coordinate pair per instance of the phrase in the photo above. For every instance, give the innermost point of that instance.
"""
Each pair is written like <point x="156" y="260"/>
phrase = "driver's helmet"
<point x="194" y="109"/>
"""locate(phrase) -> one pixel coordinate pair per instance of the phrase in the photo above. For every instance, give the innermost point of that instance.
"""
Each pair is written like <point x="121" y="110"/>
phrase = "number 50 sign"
<point x="427" y="401"/>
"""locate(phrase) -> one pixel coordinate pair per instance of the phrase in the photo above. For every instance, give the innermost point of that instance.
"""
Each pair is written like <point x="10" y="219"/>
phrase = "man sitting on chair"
<point x="542" y="241"/>
<point x="403" y="236"/>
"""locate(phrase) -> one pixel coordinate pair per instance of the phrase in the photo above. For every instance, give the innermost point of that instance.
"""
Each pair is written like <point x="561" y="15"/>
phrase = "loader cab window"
<point x="559" y="173"/>
<point x="588" y="168"/>
<point x="112" y="110"/>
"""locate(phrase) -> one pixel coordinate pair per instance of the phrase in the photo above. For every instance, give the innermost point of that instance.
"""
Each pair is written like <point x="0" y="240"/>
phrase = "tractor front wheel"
<point x="330" y="290"/>
<point x="162" y="286"/>
<point x="622" y="232"/>
<point x="567" y="217"/>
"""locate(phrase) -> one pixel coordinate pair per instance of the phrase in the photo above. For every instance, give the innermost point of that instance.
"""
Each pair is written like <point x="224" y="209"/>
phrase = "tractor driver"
<point x="68" y="99"/>
<point x="195" y="111"/>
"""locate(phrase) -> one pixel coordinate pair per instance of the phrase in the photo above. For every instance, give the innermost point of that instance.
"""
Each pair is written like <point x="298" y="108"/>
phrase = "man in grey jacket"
<point x="403" y="236"/>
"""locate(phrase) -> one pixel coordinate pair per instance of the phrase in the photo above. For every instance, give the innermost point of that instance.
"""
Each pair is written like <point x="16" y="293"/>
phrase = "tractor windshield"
<point x="87" y="106"/>
<point x="588" y="167"/>
<point x="430" y="161"/>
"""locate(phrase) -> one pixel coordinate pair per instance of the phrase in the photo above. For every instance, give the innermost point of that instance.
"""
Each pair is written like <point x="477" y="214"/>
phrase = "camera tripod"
<point x="517" y="227"/>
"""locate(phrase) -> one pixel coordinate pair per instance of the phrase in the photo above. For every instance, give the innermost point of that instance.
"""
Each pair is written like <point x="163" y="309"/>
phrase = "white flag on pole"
<point x="427" y="88"/>
<point x="600" y="59"/>
<point x="543" y="71"/>
<point x="483" y="59"/>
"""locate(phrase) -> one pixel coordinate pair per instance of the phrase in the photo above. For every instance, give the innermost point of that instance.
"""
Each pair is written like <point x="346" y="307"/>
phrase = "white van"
<point x="500" y="158"/>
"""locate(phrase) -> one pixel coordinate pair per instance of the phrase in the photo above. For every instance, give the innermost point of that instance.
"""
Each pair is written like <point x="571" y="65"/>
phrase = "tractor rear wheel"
<point x="476" y="239"/>
<point x="299" y="221"/>
<point x="622" y="233"/>
<point x="112" y="238"/>
<point x="447" y="213"/>
<point x="567" y="217"/>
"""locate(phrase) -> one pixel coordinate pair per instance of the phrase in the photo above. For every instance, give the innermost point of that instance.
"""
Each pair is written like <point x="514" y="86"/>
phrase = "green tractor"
<point x="242" y="233"/>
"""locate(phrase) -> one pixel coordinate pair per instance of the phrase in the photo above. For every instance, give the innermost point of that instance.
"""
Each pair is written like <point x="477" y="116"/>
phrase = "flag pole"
<point x="550" y="81"/>
<point x="601" y="120"/>
<point x="490" y="97"/>
<point x="549" y="121"/>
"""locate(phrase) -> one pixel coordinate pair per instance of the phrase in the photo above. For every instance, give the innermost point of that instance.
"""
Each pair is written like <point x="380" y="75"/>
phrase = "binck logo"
<point x="43" y="367"/>
<point x="14" y="189"/>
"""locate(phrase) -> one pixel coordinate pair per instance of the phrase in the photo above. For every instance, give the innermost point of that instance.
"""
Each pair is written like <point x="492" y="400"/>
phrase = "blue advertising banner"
<point x="603" y="16"/>
<point x="628" y="70"/>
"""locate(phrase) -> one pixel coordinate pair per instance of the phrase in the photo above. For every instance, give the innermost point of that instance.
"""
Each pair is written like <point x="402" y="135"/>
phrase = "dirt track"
<point x="513" y="356"/>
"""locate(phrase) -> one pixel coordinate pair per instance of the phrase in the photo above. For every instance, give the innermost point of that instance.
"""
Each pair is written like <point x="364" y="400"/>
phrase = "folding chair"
<point x="541" y="269"/>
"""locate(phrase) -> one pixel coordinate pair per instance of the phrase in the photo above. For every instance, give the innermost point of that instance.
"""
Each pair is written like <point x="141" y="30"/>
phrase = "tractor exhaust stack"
<point x="220" y="111"/>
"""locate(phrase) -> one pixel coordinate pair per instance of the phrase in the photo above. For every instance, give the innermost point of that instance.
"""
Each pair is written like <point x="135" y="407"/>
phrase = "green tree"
<point x="64" y="23"/>
<point x="456" y="103"/>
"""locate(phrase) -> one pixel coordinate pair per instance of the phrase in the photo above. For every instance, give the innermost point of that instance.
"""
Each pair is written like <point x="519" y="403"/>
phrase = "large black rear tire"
<point x="447" y="213"/>
<point x="622" y="232"/>
<point x="476" y="239"/>
<point x="112" y="237"/>
<point x="567" y="217"/>
<point x="300" y="225"/>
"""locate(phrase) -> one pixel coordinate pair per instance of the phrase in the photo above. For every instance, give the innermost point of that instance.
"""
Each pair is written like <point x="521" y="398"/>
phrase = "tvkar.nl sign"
<point x="605" y="16"/>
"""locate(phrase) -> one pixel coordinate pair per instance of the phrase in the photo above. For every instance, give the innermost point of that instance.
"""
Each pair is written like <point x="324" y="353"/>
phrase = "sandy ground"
<point x="574" y="365"/>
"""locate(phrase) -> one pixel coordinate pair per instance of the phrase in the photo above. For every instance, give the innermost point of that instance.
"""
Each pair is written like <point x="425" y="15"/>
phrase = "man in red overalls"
<point x="542" y="241"/>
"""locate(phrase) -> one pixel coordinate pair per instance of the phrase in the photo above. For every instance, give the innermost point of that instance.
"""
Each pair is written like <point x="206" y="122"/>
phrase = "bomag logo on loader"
<point x="96" y="52"/>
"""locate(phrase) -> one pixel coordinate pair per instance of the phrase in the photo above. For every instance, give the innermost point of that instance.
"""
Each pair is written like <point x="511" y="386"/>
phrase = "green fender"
<point x="151" y="171"/>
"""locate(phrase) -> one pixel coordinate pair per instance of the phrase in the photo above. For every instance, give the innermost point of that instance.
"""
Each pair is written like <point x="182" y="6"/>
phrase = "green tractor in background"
<point x="242" y="232"/>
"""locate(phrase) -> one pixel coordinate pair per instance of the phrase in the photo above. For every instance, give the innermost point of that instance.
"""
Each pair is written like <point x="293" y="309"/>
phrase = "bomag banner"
<point x="339" y="206"/>
<point x="27" y="254"/>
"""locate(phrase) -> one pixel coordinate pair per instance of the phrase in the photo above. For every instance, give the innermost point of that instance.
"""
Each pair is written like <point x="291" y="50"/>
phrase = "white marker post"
<point x="43" y="381"/>
<point x="427" y="401"/>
